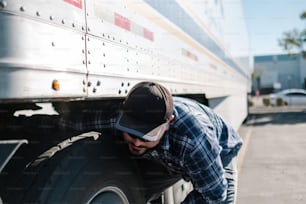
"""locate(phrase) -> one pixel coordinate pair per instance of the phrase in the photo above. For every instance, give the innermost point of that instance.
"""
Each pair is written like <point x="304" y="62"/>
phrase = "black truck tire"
<point x="81" y="170"/>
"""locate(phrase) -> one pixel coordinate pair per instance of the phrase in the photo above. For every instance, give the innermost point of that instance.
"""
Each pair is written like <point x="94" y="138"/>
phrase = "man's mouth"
<point x="135" y="148"/>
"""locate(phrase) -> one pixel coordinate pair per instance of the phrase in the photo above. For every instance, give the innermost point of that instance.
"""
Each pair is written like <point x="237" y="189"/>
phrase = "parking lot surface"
<point x="272" y="162"/>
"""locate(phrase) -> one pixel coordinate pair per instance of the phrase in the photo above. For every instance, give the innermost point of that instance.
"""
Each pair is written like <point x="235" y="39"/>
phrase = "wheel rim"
<point x="110" y="194"/>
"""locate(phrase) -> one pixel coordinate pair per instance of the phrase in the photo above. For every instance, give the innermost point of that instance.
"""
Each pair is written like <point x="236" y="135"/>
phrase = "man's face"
<point x="138" y="146"/>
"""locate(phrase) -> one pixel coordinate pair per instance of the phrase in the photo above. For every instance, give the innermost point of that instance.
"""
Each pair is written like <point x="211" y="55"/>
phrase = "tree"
<point x="257" y="73"/>
<point x="294" y="41"/>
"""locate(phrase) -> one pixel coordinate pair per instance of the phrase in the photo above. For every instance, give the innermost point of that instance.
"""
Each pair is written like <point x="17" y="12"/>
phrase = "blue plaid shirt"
<point x="197" y="145"/>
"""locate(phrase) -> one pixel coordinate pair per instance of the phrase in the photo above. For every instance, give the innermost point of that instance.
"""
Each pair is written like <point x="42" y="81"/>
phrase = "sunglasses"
<point x="150" y="136"/>
<point x="157" y="132"/>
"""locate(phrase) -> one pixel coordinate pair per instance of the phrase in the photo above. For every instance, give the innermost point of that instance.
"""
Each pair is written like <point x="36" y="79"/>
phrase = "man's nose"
<point x="137" y="142"/>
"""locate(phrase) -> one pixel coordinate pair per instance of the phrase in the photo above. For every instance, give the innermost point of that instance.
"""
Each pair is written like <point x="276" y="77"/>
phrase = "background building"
<point x="276" y="72"/>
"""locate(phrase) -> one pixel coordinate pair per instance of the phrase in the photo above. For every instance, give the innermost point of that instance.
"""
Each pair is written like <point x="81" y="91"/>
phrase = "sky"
<point x="268" y="19"/>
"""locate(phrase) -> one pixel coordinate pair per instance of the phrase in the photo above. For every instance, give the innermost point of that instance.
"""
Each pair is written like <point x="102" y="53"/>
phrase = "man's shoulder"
<point x="187" y="101"/>
<point x="189" y="105"/>
<point x="180" y="101"/>
<point x="181" y="106"/>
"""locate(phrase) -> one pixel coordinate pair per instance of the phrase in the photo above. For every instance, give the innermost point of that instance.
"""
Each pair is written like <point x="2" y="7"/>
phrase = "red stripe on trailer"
<point x="189" y="54"/>
<point x="131" y="26"/>
<point x="77" y="3"/>
<point x="122" y="22"/>
<point x="148" y="34"/>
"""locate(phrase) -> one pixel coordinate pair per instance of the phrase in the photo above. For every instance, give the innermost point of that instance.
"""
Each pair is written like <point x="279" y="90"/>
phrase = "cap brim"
<point x="141" y="129"/>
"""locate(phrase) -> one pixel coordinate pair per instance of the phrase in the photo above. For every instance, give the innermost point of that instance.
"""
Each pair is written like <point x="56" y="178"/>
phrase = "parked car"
<point x="289" y="97"/>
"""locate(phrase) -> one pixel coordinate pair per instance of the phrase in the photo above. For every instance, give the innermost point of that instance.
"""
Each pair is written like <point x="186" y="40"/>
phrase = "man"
<point x="186" y="138"/>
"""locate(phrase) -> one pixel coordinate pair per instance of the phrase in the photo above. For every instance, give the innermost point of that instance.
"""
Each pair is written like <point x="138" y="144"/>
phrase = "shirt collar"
<point x="164" y="143"/>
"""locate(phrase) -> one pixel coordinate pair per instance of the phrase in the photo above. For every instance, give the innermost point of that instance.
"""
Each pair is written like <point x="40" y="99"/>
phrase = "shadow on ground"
<point x="283" y="115"/>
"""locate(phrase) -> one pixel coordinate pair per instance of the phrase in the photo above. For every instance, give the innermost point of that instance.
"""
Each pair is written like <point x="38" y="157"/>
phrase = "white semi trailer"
<point x="65" y="67"/>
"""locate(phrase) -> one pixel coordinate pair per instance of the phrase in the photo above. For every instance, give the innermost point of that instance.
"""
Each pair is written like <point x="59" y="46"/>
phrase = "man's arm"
<point x="92" y="119"/>
<point x="209" y="184"/>
<point x="202" y="161"/>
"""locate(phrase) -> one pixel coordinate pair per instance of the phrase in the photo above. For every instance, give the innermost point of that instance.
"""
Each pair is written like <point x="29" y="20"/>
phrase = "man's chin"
<point x="137" y="152"/>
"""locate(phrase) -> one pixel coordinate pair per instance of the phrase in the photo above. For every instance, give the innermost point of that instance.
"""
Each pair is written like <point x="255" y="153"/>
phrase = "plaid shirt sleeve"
<point x="90" y="120"/>
<point x="210" y="185"/>
<point x="202" y="161"/>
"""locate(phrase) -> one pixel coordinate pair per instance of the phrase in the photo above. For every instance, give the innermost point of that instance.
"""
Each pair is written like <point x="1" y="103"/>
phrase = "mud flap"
<point x="7" y="150"/>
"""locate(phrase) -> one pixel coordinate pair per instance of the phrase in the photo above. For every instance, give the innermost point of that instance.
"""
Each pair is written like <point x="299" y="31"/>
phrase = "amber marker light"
<point x="55" y="85"/>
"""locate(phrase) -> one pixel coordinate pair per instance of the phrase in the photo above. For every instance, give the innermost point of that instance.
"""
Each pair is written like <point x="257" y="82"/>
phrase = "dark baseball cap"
<point x="146" y="111"/>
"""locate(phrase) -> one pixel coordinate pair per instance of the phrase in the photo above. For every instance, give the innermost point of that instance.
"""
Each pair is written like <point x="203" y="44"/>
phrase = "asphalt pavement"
<point x="272" y="161"/>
